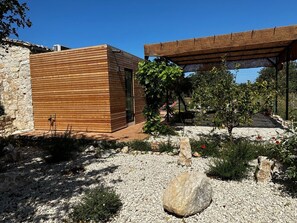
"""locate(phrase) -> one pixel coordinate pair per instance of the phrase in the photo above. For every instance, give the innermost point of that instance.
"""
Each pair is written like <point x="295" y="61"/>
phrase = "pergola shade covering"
<point x="260" y="48"/>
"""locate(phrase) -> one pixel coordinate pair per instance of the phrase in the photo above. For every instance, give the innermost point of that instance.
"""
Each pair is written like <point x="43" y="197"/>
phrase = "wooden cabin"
<point x="86" y="89"/>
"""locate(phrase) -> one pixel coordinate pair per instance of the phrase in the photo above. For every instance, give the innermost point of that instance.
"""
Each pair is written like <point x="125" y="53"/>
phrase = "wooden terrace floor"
<point x="130" y="133"/>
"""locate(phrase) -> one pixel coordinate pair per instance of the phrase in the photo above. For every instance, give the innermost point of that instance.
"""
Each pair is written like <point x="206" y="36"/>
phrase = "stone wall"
<point x="15" y="86"/>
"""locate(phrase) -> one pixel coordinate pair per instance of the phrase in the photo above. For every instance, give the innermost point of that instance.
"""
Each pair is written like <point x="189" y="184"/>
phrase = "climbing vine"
<point x="156" y="77"/>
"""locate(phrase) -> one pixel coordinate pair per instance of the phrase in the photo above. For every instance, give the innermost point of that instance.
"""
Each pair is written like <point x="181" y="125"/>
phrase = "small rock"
<point x="90" y="149"/>
<point x="155" y="146"/>
<point x="187" y="194"/>
<point x="171" y="154"/>
<point x="134" y="152"/>
<point x="196" y="154"/>
<point x="125" y="149"/>
<point x="185" y="154"/>
<point x="157" y="153"/>
<point x="175" y="151"/>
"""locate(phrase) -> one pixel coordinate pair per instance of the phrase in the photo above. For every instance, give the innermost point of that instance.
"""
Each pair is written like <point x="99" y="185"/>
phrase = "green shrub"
<point x="110" y="144"/>
<point x="286" y="153"/>
<point x="233" y="161"/>
<point x="60" y="147"/>
<point x="166" y="130"/>
<point x="206" y="146"/>
<point x="99" y="205"/>
<point x="140" y="145"/>
<point x="166" y="147"/>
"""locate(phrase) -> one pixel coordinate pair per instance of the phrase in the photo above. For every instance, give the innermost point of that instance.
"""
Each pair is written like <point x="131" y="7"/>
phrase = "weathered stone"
<point x="196" y="154"/>
<point x="175" y="151"/>
<point x="90" y="149"/>
<point x="264" y="170"/>
<point x="155" y="146"/>
<point x="125" y="149"/>
<point x="185" y="154"/>
<point x="15" y="87"/>
<point x="187" y="194"/>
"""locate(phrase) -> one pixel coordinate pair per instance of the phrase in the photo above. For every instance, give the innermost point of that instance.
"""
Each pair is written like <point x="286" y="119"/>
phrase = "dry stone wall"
<point x="15" y="87"/>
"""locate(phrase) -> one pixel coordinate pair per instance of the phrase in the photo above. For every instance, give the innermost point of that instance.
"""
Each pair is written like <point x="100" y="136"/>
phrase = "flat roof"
<point x="256" y="48"/>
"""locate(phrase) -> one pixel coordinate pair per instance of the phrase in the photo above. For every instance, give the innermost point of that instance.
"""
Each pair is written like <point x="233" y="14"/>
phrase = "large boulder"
<point x="185" y="153"/>
<point x="187" y="194"/>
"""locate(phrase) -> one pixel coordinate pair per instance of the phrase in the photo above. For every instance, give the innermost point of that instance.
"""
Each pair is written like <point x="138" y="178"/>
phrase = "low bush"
<point x="206" y="146"/>
<point x="61" y="147"/>
<point x="233" y="160"/>
<point x="166" y="130"/>
<point x="286" y="153"/>
<point x="110" y="144"/>
<point x="99" y="205"/>
<point x="140" y="145"/>
<point x="166" y="147"/>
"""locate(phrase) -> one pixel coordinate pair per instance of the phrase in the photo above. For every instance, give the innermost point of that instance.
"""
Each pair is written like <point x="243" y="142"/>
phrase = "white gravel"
<point x="49" y="194"/>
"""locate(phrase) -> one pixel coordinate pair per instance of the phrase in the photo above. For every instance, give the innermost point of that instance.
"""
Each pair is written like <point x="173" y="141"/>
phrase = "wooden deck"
<point x="130" y="133"/>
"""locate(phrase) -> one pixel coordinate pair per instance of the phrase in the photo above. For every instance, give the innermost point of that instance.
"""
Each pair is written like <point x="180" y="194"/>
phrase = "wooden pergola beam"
<point x="229" y="54"/>
<point x="251" y="39"/>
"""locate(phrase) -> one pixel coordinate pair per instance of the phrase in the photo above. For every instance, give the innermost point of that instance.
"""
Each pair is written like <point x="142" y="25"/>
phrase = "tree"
<point x="232" y="104"/>
<point x="12" y="16"/>
<point x="157" y="78"/>
<point x="268" y="74"/>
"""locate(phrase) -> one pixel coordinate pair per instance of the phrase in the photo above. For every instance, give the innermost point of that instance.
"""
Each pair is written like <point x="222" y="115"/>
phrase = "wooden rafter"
<point x="242" y="47"/>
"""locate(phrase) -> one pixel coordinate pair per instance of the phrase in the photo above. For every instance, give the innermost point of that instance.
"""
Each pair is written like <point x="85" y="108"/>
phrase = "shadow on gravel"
<point x="48" y="186"/>
<point x="288" y="187"/>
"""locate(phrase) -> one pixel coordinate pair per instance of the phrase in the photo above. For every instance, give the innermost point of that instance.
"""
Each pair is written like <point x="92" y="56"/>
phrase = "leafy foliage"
<point x="206" y="146"/>
<point x="157" y="77"/>
<point x="61" y="147"/>
<point x="268" y="74"/>
<point x="167" y="147"/>
<point x="286" y="153"/>
<point x="99" y="205"/>
<point x="109" y="144"/>
<point x="233" y="161"/>
<point x="140" y="145"/>
<point x="13" y="15"/>
<point x="232" y="104"/>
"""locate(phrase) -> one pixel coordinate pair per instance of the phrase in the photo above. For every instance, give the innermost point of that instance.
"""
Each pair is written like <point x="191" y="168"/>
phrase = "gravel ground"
<point x="49" y="191"/>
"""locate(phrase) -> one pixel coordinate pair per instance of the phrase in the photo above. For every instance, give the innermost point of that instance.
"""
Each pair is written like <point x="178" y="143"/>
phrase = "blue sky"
<point x="129" y="24"/>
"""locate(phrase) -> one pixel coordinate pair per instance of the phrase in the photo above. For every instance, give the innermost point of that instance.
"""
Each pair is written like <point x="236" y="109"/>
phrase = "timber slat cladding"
<point x="84" y="88"/>
<point x="118" y="62"/>
<point x="73" y="85"/>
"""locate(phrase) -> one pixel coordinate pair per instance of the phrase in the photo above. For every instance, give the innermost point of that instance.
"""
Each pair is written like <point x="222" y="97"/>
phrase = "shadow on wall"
<point x="2" y="110"/>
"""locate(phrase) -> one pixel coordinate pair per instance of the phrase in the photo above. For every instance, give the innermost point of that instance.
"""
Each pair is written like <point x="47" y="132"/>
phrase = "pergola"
<point x="256" y="48"/>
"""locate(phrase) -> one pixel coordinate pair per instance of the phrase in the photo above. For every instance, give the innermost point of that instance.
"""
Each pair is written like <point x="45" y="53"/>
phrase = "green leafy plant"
<point x="206" y="146"/>
<point x="61" y="147"/>
<point x="13" y="16"/>
<point x="99" y="205"/>
<point x="109" y="144"/>
<point x="286" y="153"/>
<point x="233" y="161"/>
<point x="140" y="145"/>
<point x="157" y="78"/>
<point x="167" y="147"/>
<point x="232" y="104"/>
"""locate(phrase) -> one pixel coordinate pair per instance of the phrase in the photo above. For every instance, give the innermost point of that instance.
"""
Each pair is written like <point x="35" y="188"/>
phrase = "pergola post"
<point x="287" y="82"/>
